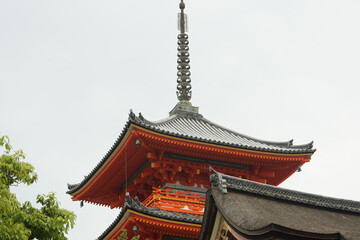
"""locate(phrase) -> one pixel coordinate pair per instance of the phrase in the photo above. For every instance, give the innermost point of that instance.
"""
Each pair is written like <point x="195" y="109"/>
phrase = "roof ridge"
<point x="161" y="121"/>
<point x="306" y="145"/>
<point x="200" y="117"/>
<point x="225" y="182"/>
<point x="156" y="126"/>
<point x="279" y="144"/>
<point x="195" y="116"/>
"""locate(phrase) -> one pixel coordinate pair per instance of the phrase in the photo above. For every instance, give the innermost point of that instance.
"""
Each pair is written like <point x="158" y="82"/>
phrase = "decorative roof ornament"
<point x="217" y="180"/>
<point x="183" y="74"/>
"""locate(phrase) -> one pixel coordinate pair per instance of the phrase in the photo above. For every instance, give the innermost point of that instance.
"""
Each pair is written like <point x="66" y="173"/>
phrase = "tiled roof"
<point x="265" y="190"/>
<point x="255" y="210"/>
<point x="136" y="205"/>
<point x="194" y="126"/>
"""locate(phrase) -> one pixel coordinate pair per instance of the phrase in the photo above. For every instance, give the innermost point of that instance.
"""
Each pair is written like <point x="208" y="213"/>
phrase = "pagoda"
<point x="157" y="172"/>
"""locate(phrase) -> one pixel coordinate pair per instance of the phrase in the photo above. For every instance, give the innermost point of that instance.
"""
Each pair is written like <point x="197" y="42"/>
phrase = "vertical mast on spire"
<point x="183" y="74"/>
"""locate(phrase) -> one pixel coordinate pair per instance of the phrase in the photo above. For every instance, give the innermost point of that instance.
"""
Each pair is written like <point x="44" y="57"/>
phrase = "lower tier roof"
<point x="254" y="209"/>
<point x="137" y="206"/>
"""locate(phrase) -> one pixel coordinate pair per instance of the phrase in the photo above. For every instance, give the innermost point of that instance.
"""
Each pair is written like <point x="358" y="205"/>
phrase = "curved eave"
<point x="187" y="123"/>
<point x="115" y="228"/>
<point x="212" y="209"/>
<point x="133" y="122"/>
<point x="330" y="218"/>
<point x="272" y="192"/>
<point x="273" y="228"/>
<point x="75" y="187"/>
<point x="235" y="147"/>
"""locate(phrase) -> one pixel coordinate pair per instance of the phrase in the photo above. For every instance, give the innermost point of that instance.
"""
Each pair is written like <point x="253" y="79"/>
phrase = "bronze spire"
<point x="183" y="92"/>
<point x="183" y="74"/>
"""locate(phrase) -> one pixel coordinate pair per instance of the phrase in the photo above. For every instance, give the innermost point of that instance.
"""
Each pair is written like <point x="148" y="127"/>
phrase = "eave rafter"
<point x="168" y="144"/>
<point x="171" y="228"/>
<point x="141" y="145"/>
<point x="148" y="226"/>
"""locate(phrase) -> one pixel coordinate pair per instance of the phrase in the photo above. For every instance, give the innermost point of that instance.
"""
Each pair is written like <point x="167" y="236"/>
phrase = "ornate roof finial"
<point x="183" y="74"/>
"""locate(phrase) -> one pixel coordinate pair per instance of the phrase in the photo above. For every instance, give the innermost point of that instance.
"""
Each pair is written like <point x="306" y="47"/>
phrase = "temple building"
<point x="158" y="172"/>
<point x="241" y="209"/>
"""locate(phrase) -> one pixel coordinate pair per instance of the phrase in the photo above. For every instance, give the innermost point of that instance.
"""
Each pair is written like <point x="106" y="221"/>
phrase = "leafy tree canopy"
<point x="23" y="221"/>
<point x="124" y="236"/>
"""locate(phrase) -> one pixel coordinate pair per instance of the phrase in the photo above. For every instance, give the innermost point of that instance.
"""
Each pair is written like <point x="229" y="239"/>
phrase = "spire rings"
<point x="183" y="80"/>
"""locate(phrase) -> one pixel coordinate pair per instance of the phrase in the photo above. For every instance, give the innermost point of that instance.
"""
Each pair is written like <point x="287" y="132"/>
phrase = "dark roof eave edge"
<point x="113" y="224"/>
<point x="266" y="229"/>
<point x="143" y="121"/>
<point x="103" y="160"/>
<point x="126" y="208"/>
<point x="232" y="224"/>
<point x="132" y="119"/>
<point x="240" y="147"/>
<point x="294" y="196"/>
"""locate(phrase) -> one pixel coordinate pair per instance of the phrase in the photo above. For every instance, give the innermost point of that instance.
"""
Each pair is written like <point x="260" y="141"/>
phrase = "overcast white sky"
<point x="272" y="69"/>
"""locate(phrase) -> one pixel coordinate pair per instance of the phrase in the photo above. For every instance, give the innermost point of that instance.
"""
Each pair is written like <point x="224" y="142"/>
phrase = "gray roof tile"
<point x="155" y="212"/>
<point x="257" y="210"/>
<point x="196" y="127"/>
<point x="265" y="190"/>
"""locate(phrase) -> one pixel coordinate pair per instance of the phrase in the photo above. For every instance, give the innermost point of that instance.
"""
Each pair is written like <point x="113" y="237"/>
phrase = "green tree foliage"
<point x="23" y="221"/>
<point x="123" y="236"/>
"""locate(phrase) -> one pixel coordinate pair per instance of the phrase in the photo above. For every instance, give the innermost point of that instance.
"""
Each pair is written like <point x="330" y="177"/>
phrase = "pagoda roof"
<point x="136" y="205"/>
<point x="253" y="209"/>
<point x="194" y="126"/>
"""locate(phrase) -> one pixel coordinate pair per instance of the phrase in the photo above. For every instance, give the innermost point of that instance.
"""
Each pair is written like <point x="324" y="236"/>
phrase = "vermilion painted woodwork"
<point x="153" y="228"/>
<point x="158" y="160"/>
<point x="108" y="184"/>
<point x="176" y="201"/>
